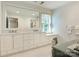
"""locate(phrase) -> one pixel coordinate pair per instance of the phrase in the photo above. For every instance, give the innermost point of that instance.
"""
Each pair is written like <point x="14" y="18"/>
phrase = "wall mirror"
<point x="21" y="19"/>
<point x="11" y="22"/>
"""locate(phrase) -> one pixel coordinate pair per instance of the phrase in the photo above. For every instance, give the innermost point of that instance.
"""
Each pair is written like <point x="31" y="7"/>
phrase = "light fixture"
<point x="42" y="2"/>
<point x="39" y="2"/>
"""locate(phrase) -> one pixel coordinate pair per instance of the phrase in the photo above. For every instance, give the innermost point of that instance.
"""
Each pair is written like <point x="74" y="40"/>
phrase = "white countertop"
<point x="21" y="33"/>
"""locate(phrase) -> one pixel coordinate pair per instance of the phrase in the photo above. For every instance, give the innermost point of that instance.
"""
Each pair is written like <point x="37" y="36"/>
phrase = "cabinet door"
<point x="28" y="44"/>
<point x="6" y="44"/>
<point x="36" y="39"/>
<point x="18" y="42"/>
<point x="42" y="38"/>
<point x="28" y="41"/>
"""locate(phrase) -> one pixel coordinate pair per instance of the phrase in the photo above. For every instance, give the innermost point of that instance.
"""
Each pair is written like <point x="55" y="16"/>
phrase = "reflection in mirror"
<point x="35" y="24"/>
<point x="21" y="19"/>
<point x="11" y="22"/>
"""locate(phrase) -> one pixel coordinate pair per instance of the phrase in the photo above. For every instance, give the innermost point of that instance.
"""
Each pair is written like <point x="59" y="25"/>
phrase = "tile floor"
<point x="39" y="52"/>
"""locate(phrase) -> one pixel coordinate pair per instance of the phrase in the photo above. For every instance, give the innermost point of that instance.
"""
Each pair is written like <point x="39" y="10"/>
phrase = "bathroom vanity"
<point x="11" y="43"/>
<point x="21" y="28"/>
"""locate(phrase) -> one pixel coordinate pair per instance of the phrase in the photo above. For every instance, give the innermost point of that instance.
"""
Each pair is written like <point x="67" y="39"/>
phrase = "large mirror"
<point x="11" y="22"/>
<point x="21" y="19"/>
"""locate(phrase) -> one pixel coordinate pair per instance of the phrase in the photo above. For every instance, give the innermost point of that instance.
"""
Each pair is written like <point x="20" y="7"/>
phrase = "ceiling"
<point x="48" y="4"/>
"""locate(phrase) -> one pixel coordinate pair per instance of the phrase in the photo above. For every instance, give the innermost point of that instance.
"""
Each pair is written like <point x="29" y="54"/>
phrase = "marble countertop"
<point x="19" y="33"/>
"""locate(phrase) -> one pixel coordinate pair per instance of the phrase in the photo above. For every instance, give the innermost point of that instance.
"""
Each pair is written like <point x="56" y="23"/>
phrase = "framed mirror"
<point x="11" y="22"/>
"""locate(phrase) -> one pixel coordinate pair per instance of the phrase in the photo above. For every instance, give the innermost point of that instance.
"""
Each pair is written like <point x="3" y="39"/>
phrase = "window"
<point x="46" y="23"/>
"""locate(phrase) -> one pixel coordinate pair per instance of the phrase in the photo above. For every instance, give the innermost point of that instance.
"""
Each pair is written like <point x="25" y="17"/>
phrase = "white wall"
<point x="0" y="16"/>
<point x="65" y="16"/>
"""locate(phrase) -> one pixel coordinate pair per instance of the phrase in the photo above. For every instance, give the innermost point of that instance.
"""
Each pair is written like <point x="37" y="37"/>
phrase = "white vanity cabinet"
<point x="6" y="44"/>
<point x="42" y="39"/>
<point x="13" y="43"/>
<point x="18" y="42"/>
<point x="36" y="39"/>
<point x="28" y="41"/>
